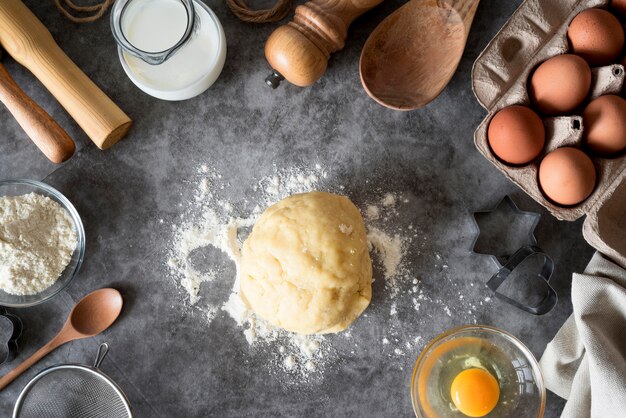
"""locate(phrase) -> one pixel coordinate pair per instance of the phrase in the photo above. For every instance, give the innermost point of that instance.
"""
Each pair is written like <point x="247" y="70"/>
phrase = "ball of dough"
<point x="305" y="266"/>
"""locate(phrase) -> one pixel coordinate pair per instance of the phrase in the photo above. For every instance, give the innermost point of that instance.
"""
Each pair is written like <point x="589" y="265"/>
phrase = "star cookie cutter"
<point x="10" y="331"/>
<point x="509" y="262"/>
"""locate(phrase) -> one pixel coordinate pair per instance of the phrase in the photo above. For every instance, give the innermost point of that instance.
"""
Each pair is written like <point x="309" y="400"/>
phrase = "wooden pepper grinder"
<point x="299" y="51"/>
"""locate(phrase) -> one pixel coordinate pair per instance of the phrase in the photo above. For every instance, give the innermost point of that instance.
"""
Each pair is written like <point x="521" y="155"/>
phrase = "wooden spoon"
<point x="92" y="314"/>
<point x="412" y="54"/>
<point x="49" y="137"/>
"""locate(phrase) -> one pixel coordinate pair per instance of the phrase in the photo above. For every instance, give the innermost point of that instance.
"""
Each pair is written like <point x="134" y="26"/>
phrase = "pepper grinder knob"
<point x="273" y="80"/>
<point x="299" y="51"/>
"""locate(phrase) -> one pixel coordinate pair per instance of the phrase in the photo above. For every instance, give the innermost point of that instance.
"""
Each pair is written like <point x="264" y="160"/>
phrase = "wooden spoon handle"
<point x="39" y="354"/>
<point x="49" y="137"/>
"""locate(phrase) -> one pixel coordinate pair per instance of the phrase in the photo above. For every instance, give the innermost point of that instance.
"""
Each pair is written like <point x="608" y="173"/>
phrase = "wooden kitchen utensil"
<point x="49" y="137"/>
<point x="24" y="37"/>
<point x="411" y="56"/>
<point x="90" y="316"/>
<point x="299" y="51"/>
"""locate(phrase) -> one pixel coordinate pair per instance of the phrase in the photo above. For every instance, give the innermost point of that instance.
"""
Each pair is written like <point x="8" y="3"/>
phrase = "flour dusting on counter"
<point x="211" y="222"/>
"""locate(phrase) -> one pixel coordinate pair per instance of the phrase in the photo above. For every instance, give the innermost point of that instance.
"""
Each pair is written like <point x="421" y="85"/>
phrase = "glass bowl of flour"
<point x="42" y="242"/>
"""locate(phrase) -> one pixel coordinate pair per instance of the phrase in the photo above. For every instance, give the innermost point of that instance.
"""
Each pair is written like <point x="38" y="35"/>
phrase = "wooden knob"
<point x="299" y="51"/>
<point x="29" y="42"/>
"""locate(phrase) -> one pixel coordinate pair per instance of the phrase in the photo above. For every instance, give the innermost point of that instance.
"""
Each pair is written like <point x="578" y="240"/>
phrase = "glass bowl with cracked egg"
<point x="22" y="187"/>
<point x="477" y="371"/>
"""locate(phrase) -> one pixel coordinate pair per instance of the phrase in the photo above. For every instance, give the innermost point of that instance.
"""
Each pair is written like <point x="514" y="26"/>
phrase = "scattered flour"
<point x="388" y="248"/>
<point x="372" y="213"/>
<point x="389" y="200"/>
<point x="290" y="362"/>
<point x="37" y="241"/>
<point x="210" y="313"/>
<point x="394" y="309"/>
<point x="210" y="230"/>
<point x="345" y="229"/>
<point x="209" y="221"/>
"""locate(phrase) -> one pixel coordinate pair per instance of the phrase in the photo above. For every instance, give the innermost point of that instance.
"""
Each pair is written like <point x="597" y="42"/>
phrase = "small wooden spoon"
<point x="92" y="314"/>
<point x="412" y="55"/>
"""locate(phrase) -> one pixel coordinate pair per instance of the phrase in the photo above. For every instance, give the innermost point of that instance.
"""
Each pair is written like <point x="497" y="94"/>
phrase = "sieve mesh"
<point x="72" y="392"/>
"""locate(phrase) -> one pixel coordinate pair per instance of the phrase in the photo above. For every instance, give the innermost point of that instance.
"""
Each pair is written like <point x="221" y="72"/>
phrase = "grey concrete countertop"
<point x="169" y="362"/>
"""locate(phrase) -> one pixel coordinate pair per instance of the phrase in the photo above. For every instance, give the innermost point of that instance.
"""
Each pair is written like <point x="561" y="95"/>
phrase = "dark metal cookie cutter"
<point x="508" y="263"/>
<point x="10" y="330"/>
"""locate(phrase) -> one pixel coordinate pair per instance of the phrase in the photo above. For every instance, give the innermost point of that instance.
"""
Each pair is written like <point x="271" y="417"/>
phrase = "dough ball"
<point x="305" y="266"/>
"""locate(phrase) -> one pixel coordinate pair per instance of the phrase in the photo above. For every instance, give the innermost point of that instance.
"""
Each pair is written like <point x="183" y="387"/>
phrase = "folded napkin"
<point x="586" y="361"/>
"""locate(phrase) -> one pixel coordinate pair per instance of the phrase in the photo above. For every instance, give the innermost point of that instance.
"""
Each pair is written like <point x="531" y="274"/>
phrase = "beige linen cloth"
<point x="586" y="361"/>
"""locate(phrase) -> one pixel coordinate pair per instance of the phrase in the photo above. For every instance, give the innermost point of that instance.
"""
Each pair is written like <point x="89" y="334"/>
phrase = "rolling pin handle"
<point x="273" y="80"/>
<point x="30" y="43"/>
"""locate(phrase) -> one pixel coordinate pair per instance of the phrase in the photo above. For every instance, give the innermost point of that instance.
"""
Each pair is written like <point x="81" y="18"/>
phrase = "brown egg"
<point x="516" y="135"/>
<point x="604" y="122"/>
<point x="560" y="84"/>
<point x="619" y="7"/>
<point x="567" y="176"/>
<point x="597" y="36"/>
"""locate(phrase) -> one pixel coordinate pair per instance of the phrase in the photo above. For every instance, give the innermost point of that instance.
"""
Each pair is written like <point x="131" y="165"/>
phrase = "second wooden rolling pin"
<point x="49" y="137"/>
<point x="30" y="43"/>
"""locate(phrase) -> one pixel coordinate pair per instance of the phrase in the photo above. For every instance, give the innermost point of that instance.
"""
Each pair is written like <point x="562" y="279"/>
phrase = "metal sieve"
<point x="73" y="391"/>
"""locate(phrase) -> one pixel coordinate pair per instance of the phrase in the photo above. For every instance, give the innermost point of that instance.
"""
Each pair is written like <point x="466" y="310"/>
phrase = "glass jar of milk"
<point x="170" y="49"/>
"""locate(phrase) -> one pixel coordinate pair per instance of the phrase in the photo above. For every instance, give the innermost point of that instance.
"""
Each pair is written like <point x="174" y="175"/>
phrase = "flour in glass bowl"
<point x="37" y="240"/>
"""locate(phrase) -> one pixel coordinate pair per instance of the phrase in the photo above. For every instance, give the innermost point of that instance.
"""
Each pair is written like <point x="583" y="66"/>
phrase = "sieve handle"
<point x="26" y="364"/>
<point x="103" y="350"/>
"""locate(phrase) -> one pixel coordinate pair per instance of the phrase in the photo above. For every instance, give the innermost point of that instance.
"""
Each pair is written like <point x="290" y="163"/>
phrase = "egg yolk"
<point x="475" y="392"/>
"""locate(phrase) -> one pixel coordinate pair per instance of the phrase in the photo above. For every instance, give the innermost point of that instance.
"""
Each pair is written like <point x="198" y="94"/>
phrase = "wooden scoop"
<point x="412" y="55"/>
<point x="49" y="137"/>
<point x="92" y="314"/>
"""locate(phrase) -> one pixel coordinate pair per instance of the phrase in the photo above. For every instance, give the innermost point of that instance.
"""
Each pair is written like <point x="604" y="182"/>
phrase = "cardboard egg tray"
<point x="538" y="31"/>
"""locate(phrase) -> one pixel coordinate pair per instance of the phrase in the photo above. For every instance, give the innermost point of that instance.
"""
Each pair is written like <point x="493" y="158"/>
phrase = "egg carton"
<point x="535" y="32"/>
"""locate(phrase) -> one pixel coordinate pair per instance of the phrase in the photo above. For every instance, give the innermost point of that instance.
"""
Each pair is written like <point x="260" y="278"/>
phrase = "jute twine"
<point x="275" y="13"/>
<point x="76" y="13"/>
<point x="279" y="10"/>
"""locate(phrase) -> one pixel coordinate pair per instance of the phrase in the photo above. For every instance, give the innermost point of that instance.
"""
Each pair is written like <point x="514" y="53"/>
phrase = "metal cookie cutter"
<point x="508" y="261"/>
<point x="10" y="331"/>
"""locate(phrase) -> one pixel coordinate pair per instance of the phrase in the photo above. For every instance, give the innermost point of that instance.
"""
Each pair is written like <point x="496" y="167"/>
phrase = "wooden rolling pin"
<point x="49" y="137"/>
<point x="29" y="42"/>
<point x="299" y="51"/>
